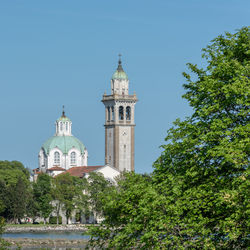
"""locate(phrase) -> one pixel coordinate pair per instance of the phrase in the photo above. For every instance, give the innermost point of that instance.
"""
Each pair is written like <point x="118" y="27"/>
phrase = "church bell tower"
<point x="119" y="122"/>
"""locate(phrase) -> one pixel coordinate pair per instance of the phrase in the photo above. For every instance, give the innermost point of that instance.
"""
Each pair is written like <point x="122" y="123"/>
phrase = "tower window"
<point x="73" y="158"/>
<point x="128" y="113"/>
<point x="108" y="113"/>
<point x="56" y="158"/>
<point x="112" y="113"/>
<point x="61" y="126"/>
<point x="66" y="126"/>
<point x="121" y="113"/>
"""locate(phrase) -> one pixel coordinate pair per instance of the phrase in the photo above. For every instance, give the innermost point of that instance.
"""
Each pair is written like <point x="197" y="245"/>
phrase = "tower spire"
<point x="119" y="68"/>
<point x="63" y="112"/>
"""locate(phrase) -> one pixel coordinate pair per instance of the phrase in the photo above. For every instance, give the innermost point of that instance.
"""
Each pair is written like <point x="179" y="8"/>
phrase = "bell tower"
<point x="119" y="122"/>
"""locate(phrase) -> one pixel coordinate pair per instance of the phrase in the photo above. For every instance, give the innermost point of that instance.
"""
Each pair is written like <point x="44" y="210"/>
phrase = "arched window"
<point x="56" y="158"/>
<point x="121" y="113"/>
<point x="73" y="158"/>
<point x="112" y="114"/>
<point x="61" y="126"/>
<point x="66" y="126"/>
<point x="128" y="113"/>
<point x="108" y="113"/>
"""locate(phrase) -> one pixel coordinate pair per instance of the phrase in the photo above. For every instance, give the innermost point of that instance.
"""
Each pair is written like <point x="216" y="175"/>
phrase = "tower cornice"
<point x="116" y="97"/>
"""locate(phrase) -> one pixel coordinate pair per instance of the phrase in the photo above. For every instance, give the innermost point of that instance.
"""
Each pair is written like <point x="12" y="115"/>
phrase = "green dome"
<point x="120" y="74"/>
<point x="64" y="143"/>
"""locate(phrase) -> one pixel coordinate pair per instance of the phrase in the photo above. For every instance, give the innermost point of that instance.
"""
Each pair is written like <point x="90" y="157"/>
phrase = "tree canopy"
<point x="199" y="193"/>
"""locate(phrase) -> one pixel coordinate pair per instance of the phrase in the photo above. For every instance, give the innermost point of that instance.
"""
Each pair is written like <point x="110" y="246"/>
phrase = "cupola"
<point x="119" y="80"/>
<point x="63" y="125"/>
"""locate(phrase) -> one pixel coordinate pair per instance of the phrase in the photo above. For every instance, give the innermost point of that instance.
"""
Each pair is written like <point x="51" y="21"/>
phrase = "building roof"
<point x="119" y="73"/>
<point x="63" y="117"/>
<point x="56" y="168"/>
<point x="80" y="171"/>
<point x="64" y="143"/>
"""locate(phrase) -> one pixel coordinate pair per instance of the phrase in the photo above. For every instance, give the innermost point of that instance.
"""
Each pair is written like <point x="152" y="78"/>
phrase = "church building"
<point x="63" y="152"/>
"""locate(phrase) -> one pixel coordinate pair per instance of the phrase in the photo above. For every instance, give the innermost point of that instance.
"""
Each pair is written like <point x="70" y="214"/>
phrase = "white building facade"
<point x="62" y="151"/>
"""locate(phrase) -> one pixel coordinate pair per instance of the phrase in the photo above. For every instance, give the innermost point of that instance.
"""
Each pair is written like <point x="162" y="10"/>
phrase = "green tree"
<point x="199" y="194"/>
<point x="133" y="215"/>
<point x="33" y="209"/>
<point x="43" y="195"/>
<point x="2" y="196"/>
<point x="204" y="167"/>
<point x="14" y="183"/>
<point x="96" y="187"/>
<point x="67" y="192"/>
<point x="16" y="200"/>
<point x="10" y="171"/>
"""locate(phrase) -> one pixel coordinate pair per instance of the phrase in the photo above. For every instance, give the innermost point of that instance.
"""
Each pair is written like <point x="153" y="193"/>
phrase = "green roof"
<point x="64" y="143"/>
<point x="64" y="119"/>
<point x="119" y="73"/>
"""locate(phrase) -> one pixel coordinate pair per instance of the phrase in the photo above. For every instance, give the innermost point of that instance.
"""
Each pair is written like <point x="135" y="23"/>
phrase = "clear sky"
<point x="62" y="52"/>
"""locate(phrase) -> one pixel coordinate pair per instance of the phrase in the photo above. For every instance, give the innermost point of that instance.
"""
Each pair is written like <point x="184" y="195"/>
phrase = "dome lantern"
<point x="119" y="73"/>
<point x="63" y="125"/>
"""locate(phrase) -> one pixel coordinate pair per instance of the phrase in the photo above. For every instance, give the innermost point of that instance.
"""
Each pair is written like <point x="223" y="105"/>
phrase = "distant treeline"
<point x="22" y="200"/>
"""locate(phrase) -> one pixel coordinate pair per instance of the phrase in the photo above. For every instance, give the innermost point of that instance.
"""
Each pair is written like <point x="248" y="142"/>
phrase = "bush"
<point x="53" y="220"/>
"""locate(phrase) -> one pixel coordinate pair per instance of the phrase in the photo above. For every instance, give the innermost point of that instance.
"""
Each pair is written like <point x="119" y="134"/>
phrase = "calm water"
<point x="50" y="235"/>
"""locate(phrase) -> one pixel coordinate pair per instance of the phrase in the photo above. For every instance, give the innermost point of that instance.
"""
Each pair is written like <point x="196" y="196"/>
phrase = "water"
<point x="50" y="235"/>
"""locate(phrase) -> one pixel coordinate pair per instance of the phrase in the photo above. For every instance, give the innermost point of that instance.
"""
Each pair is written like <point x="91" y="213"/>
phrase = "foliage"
<point x="17" y="199"/>
<point x="133" y="215"/>
<point x="14" y="186"/>
<point x="199" y="196"/>
<point x="53" y="220"/>
<point x="204" y="168"/>
<point x="67" y="193"/>
<point x="10" y="171"/>
<point x="42" y="195"/>
<point x="96" y="187"/>
<point x="3" y="244"/>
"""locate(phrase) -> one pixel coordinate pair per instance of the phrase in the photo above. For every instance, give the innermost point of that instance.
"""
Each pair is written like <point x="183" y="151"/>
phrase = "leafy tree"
<point x="10" y="171"/>
<point x="199" y="196"/>
<point x="96" y="187"/>
<point x="205" y="164"/>
<point x="133" y="215"/>
<point x="16" y="200"/>
<point x="67" y="192"/>
<point x="14" y="183"/>
<point x="33" y="209"/>
<point x="42" y="195"/>
<point x="2" y="196"/>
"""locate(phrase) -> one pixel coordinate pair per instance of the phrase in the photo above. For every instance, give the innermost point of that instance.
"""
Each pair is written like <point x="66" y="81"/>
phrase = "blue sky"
<point x="58" y="52"/>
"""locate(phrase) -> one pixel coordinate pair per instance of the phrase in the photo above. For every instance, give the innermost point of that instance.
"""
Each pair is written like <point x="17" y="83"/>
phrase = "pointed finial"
<point x="120" y="60"/>
<point x="63" y="113"/>
<point x="119" y="68"/>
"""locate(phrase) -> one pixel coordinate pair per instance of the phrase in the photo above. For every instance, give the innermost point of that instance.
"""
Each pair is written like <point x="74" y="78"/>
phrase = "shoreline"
<point x="45" y="243"/>
<point x="44" y="228"/>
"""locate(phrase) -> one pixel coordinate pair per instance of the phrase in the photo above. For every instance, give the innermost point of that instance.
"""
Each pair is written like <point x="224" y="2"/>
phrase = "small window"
<point x="108" y="113"/>
<point x="121" y="113"/>
<point x="61" y="126"/>
<point x="112" y="113"/>
<point x="56" y="158"/>
<point x="73" y="158"/>
<point x="128" y="113"/>
<point x="66" y="126"/>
